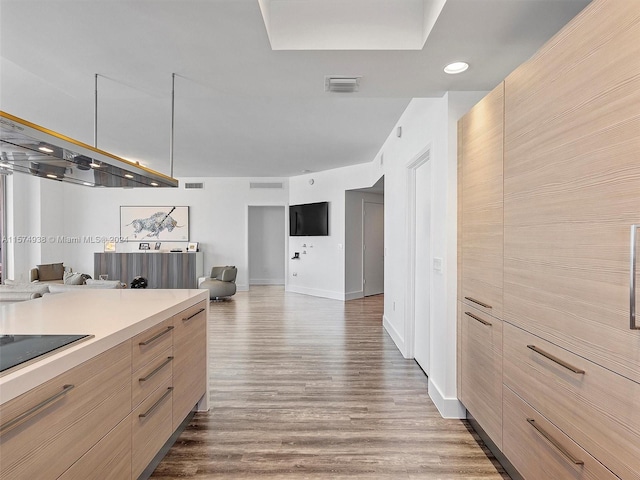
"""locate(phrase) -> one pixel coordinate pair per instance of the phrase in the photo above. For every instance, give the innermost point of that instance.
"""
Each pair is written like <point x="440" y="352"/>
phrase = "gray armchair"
<point x="221" y="283"/>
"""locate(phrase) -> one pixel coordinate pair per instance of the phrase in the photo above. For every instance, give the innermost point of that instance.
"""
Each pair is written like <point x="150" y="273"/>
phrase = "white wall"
<point x="354" y="287"/>
<point x="217" y="217"/>
<point x="321" y="271"/>
<point x="266" y="245"/>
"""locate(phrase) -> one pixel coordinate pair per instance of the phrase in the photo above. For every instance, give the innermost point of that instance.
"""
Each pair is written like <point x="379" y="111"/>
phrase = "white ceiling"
<point x="241" y="108"/>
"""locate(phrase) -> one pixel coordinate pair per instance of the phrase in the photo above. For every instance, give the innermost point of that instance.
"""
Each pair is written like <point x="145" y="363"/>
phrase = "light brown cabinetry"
<point x="480" y="184"/>
<point x="87" y="402"/>
<point x="480" y="262"/>
<point x="151" y="427"/>
<point x="109" y="459"/>
<point x="594" y="406"/>
<point x="571" y="357"/>
<point x="539" y="450"/>
<point x="190" y="363"/>
<point x="110" y="416"/>
<point x="572" y="186"/>
<point x="481" y="369"/>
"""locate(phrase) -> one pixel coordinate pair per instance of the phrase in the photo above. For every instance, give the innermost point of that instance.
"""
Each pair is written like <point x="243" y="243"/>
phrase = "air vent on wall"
<point x="194" y="185"/>
<point x="339" y="84"/>
<point x="265" y="185"/>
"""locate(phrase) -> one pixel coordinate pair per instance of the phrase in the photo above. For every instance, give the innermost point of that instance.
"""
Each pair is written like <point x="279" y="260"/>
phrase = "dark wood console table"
<point x="162" y="270"/>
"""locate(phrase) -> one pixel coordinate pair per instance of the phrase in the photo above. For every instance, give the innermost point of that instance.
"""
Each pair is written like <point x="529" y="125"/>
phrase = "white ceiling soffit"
<point x="349" y="24"/>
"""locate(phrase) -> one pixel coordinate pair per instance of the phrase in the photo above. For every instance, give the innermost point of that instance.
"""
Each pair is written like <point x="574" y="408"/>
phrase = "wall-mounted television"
<point x="309" y="219"/>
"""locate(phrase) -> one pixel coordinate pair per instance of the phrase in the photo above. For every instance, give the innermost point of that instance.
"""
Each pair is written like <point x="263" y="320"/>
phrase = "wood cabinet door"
<point x="540" y="450"/>
<point x="65" y="416"/>
<point x="190" y="360"/>
<point x="481" y="369"/>
<point x="481" y="195"/>
<point x="572" y="186"/>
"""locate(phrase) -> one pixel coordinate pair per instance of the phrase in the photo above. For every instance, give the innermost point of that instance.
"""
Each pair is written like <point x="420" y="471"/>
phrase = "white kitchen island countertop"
<point x="112" y="316"/>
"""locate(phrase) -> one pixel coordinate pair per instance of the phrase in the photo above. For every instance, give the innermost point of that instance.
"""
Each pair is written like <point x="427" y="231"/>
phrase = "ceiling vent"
<point x="193" y="185"/>
<point x="265" y="185"/>
<point x="339" y="84"/>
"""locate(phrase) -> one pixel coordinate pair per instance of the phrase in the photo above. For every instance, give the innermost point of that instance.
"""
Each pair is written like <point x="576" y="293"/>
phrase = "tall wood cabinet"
<point x="480" y="173"/>
<point x="571" y="200"/>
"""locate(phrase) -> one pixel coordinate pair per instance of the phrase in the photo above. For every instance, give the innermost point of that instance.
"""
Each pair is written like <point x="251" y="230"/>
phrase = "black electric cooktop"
<point x="19" y="349"/>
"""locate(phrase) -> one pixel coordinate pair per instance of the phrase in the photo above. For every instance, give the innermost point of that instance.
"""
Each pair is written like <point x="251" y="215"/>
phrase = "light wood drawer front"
<point x="151" y="376"/>
<point x="598" y="408"/>
<point x="109" y="459"/>
<point x="151" y="427"/>
<point x="151" y="343"/>
<point x="481" y="370"/>
<point x="50" y="441"/>
<point x="540" y="451"/>
<point x="190" y="362"/>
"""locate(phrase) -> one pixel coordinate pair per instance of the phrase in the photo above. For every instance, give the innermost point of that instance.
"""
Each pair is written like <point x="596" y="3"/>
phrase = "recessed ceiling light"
<point x="94" y="165"/>
<point x="51" y="175"/>
<point x="128" y="175"/>
<point x="5" y="165"/>
<point x="88" y="184"/>
<point x="154" y="184"/>
<point x="456" y="67"/>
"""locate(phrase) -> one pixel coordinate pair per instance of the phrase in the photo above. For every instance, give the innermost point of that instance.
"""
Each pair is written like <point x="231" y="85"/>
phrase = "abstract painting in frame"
<point x="163" y="223"/>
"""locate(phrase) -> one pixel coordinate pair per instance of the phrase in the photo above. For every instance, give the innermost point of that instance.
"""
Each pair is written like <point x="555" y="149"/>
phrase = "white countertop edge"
<point x="23" y="379"/>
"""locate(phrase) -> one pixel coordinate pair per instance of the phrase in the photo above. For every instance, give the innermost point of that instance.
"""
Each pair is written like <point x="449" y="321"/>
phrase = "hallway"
<point x="310" y="388"/>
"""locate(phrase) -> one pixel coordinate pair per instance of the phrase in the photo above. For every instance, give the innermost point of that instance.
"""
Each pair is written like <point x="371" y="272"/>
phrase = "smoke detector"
<point x="341" y="84"/>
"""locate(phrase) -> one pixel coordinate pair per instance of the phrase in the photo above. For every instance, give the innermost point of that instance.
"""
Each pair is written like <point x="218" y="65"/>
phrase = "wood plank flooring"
<point x="311" y="388"/>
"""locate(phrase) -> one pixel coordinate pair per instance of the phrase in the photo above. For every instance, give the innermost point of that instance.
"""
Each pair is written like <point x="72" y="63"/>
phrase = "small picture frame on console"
<point x="144" y="246"/>
<point x="157" y="247"/>
<point x="192" y="247"/>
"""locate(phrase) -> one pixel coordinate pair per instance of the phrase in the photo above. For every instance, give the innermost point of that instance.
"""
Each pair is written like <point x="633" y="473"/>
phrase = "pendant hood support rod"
<point x="95" y="112"/>
<point x="173" y="112"/>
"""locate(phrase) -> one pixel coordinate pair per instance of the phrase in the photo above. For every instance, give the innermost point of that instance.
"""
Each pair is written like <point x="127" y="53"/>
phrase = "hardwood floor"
<point x="311" y="388"/>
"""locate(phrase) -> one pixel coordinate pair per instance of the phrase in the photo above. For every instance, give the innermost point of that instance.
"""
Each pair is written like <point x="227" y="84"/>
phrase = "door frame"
<point x="412" y="166"/>
<point x="363" y="244"/>
<point x="286" y="236"/>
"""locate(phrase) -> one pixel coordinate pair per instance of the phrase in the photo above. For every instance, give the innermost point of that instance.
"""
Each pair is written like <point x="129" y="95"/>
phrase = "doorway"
<point x="266" y="232"/>
<point x="419" y="203"/>
<point x="373" y="248"/>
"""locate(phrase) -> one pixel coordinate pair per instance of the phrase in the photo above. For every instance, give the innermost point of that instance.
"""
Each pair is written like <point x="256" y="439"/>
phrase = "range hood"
<point x="31" y="149"/>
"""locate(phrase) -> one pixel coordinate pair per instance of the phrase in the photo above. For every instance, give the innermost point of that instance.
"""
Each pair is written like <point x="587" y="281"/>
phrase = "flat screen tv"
<point x="310" y="219"/>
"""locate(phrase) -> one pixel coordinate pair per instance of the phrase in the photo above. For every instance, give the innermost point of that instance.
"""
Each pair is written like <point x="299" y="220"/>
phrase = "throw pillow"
<point x="51" y="271"/>
<point x="73" y="278"/>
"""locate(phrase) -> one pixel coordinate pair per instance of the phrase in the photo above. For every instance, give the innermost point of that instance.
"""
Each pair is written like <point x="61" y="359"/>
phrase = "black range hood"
<point x="31" y="149"/>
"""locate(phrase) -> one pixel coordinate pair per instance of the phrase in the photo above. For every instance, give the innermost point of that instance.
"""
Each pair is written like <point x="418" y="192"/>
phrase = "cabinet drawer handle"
<point x="157" y="336"/>
<point x="5" y="427"/>
<point x="157" y="404"/>
<point x="554" y="442"/>
<point x="478" y="302"/>
<point x="191" y="316"/>
<point x="484" y="322"/>
<point x="555" y="359"/>
<point x="164" y="364"/>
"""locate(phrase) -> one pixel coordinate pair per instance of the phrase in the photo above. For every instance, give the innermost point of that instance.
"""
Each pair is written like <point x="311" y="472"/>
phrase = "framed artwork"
<point x="144" y="246"/>
<point x="162" y="223"/>
<point x="192" y="247"/>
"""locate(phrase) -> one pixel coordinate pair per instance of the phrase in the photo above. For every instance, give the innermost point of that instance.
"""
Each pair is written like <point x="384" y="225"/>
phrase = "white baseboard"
<point x="393" y="333"/>
<point x="448" y="407"/>
<point x="266" y="281"/>
<point x="315" y="292"/>
<point x="354" y="295"/>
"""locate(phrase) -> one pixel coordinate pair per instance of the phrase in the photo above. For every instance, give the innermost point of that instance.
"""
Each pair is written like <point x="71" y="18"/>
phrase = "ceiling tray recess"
<point x="31" y="149"/>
